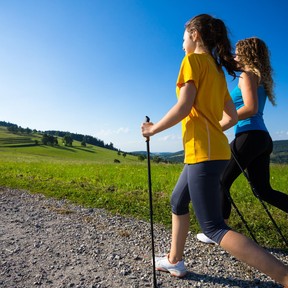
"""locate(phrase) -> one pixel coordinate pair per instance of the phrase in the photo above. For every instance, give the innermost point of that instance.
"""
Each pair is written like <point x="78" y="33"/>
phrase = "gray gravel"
<point x="51" y="243"/>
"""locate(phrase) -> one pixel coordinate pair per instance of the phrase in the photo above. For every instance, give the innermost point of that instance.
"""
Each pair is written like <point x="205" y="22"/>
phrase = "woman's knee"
<point x="178" y="207"/>
<point x="180" y="201"/>
<point x="216" y="232"/>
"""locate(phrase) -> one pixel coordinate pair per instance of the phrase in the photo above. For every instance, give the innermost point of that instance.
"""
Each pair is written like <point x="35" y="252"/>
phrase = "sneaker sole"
<point x="174" y="274"/>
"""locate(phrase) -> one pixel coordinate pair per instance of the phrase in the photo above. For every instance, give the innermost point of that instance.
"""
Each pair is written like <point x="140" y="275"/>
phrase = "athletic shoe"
<point x="203" y="238"/>
<point x="163" y="264"/>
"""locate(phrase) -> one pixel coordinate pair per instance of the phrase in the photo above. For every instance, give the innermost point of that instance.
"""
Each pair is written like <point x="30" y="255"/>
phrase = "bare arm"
<point x="230" y="117"/>
<point x="178" y="112"/>
<point x="248" y="83"/>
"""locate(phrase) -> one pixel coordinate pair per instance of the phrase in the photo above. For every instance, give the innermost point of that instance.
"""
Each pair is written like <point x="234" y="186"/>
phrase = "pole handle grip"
<point x="147" y="120"/>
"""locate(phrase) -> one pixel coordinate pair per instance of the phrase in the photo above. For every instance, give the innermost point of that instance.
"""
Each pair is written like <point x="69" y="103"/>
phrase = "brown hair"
<point x="255" y="55"/>
<point x="215" y="39"/>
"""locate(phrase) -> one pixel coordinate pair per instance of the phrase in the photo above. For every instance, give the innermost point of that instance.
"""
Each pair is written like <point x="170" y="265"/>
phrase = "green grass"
<point x="89" y="176"/>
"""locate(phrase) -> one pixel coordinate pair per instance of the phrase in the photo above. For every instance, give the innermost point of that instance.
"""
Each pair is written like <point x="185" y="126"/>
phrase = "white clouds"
<point x="110" y="132"/>
<point x="120" y="137"/>
<point x="103" y="132"/>
<point x="282" y="134"/>
<point x="168" y="138"/>
<point x="166" y="143"/>
<point x="124" y="139"/>
<point x="123" y="130"/>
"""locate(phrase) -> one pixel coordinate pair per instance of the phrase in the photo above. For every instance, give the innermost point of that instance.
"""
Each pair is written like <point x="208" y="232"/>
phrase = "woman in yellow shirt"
<point x="204" y="106"/>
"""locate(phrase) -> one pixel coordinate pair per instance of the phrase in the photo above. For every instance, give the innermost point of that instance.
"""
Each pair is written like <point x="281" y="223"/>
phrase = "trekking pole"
<point x="261" y="201"/>
<point x="240" y="215"/>
<point x="151" y="208"/>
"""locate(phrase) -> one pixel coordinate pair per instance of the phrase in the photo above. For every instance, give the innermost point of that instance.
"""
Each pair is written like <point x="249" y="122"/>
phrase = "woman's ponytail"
<point x="215" y="39"/>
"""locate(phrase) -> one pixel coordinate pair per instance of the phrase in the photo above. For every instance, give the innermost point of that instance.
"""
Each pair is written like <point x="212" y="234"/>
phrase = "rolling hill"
<point x="29" y="145"/>
<point x="33" y="139"/>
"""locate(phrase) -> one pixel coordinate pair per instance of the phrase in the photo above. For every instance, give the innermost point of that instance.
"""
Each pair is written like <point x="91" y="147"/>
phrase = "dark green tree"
<point x="84" y="141"/>
<point x="67" y="139"/>
<point x="49" y="140"/>
<point x="141" y="157"/>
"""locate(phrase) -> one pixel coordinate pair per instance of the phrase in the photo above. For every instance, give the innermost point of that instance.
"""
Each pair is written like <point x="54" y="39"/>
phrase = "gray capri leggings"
<point x="200" y="183"/>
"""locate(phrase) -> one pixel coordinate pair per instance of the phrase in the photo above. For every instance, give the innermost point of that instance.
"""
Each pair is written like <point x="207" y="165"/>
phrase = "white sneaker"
<point x="203" y="238"/>
<point x="163" y="264"/>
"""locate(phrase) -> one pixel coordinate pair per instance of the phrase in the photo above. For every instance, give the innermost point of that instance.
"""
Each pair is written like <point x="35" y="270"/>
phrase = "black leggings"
<point x="252" y="150"/>
<point x="200" y="184"/>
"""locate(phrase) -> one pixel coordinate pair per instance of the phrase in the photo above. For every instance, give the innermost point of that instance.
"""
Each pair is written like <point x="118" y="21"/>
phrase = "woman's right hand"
<point x="147" y="129"/>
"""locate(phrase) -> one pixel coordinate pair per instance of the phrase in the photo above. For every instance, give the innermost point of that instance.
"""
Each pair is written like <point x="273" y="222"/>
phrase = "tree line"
<point x="50" y="137"/>
<point x="84" y="139"/>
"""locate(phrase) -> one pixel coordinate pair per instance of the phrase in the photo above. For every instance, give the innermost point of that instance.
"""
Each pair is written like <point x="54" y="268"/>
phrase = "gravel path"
<point x="50" y="243"/>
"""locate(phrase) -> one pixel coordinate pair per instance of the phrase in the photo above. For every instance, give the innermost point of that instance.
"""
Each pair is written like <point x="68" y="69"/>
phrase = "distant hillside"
<point x="77" y="137"/>
<point x="279" y="155"/>
<point x="280" y="152"/>
<point x="175" y="157"/>
<point x="171" y="157"/>
<point x="29" y="146"/>
<point x="80" y="137"/>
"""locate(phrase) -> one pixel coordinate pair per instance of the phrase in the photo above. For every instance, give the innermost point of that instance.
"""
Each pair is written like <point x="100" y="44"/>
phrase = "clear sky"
<point x="97" y="67"/>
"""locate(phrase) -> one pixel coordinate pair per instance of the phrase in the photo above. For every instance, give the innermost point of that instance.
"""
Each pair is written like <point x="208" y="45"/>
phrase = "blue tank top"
<point x="256" y="122"/>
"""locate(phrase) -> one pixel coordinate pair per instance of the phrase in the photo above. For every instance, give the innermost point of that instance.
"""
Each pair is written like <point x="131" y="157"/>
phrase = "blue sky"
<point x="98" y="67"/>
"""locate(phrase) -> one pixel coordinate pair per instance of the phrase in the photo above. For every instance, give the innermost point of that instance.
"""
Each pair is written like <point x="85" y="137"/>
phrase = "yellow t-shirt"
<point x="203" y="138"/>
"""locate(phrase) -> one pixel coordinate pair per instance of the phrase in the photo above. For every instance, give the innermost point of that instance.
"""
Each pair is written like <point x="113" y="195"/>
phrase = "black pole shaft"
<point x="151" y="208"/>
<point x="254" y="190"/>
<point x="240" y="215"/>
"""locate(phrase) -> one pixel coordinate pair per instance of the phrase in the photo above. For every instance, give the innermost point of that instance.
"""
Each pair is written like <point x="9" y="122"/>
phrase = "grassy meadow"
<point x="88" y="176"/>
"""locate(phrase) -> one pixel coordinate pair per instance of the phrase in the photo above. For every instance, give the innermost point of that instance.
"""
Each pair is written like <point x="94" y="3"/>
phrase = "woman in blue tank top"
<point x="252" y="145"/>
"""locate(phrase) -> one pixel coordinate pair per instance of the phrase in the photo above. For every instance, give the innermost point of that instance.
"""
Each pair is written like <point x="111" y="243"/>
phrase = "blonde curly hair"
<point x="254" y="54"/>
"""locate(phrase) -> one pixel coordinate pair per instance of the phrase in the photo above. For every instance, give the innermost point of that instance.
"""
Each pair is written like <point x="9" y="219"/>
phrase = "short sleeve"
<point x="189" y="70"/>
